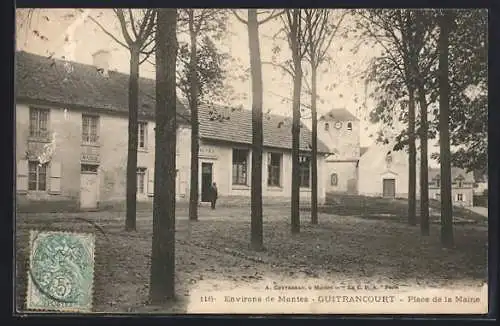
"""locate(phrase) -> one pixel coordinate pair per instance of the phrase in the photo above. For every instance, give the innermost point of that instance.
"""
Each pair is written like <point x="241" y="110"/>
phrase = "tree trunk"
<point x="412" y="160"/>
<point x="195" y="137"/>
<point x="444" y="132"/>
<point x="162" y="281"/>
<point x="133" y="105"/>
<point x="297" y="85"/>
<point x="424" y="165"/>
<point x="257" y="133"/>
<point x="314" y="167"/>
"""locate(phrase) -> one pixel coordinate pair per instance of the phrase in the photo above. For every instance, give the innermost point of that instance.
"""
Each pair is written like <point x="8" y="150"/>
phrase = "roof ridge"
<point x="82" y="64"/>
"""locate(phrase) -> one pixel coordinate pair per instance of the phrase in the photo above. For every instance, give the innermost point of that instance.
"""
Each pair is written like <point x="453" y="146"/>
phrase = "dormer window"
<point x="349" y="126"/>
<point x="327" y="126"/>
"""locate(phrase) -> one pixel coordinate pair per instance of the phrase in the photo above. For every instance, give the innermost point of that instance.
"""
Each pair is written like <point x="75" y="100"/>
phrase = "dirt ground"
<point x="214" y="253"/>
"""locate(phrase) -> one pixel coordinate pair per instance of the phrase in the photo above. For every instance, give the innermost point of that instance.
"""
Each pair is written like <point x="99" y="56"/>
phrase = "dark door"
<point x="206" y="181"/>
<point x="389" y="188"/>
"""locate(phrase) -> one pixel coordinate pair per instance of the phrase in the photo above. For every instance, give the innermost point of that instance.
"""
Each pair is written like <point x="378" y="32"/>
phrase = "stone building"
<point x="71" y="140"/>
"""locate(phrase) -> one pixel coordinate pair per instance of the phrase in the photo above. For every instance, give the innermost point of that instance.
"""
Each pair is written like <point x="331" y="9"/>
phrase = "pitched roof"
<point x="237" y="127"/>
<point x="455" y="173"/>
<point x="45" y="79"/>
<point x="339" y="115"/>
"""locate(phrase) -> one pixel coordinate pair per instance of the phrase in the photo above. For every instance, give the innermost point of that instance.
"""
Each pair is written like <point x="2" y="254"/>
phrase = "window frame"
<point x="302" y="168"/>
<point x="240" y="178"/>
<point x="271" y="170"/>
<point x="34" y="129"/>
<point x="144" y="126"/>
<point x="334" y="176"/>
<point x="141" y="173"/>
<point x="87" y="129"/>
<point x="37" y="176"/>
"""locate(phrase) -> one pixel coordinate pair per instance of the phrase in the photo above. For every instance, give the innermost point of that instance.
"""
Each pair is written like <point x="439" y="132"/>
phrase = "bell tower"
<point x="339" y="130"/>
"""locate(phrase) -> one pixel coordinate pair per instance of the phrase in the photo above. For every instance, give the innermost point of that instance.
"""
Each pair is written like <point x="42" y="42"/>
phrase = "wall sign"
<point x="207" y="151"/>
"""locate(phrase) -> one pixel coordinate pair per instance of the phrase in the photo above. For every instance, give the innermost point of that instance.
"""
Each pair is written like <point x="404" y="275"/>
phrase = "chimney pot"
<point x="101" y="60"/>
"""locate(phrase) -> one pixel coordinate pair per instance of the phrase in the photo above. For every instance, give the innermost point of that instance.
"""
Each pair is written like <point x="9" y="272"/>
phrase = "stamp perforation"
<point x="85" y="237"/>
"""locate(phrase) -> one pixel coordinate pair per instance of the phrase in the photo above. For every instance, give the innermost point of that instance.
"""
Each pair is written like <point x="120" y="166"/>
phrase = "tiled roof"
<point x="339" y="115"/>
<point x="455" y="172"/>
<point x="40" y="78"/>
<point x="237" y="127"/>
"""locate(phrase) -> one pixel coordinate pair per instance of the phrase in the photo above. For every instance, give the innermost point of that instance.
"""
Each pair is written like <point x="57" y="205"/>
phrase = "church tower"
<point x="339" y="130"/>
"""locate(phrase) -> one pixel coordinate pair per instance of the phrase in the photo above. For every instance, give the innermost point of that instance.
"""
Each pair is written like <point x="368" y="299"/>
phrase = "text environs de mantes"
<point x="319" y="299"/>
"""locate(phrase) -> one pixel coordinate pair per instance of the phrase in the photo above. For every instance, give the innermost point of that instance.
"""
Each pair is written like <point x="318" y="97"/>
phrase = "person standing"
<point x="213" y="194"/>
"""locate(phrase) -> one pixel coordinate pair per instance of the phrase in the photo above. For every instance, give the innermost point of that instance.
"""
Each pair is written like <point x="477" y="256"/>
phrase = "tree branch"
<point x="285" y="68"/>
<point x="132" y="22"/>
<point x="123" y="25"/>
<point x="271" y="16"/>
<point x="108" y="33"/>
<point x="238" y="17"/>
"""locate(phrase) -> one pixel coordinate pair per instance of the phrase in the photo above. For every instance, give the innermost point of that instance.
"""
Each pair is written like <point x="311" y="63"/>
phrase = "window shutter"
<point x="55" y="178"/>
<point x="151" y="181"/>
<point x="22" y="176"/>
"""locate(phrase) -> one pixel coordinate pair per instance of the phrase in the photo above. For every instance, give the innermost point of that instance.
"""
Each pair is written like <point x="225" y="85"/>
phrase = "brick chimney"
<point x="101" y="60"/>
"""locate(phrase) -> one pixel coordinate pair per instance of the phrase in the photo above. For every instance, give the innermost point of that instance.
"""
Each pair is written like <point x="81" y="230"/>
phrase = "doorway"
<point x="389" y="188"/>
<point x="89" y="186"/>
<point x="206" y="181"/>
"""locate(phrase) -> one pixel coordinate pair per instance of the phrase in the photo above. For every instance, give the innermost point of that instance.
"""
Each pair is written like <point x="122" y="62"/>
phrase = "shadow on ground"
<point x="213" y="252"/>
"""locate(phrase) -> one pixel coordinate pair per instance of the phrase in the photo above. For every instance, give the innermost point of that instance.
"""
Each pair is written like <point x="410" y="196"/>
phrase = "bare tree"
<point x="256" y="233"/>
<point x="320" y="31"/>
<point x="293" y="25"/>
<point x="445" y="23"/>
<point x="162" y="285"/>
<point x="137" y="29"/>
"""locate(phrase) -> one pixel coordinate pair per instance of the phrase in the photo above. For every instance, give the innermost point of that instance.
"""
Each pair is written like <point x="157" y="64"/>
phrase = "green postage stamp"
<point x="61" y="271"/>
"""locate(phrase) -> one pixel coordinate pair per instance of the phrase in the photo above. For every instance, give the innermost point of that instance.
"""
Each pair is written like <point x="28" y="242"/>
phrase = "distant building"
<point x="481" y="183"/>
<point x="462" y="186"/>
<point x="384" y="172"/>
<point x="340" y="130"/>
<point x="72" y="139"/>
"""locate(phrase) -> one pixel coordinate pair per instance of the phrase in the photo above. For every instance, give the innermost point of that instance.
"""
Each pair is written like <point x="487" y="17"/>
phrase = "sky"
<point x="70" y="34"/>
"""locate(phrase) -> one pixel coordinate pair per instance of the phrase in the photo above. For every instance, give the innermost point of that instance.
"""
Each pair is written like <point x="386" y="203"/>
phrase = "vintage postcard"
<point x="251" y="161"/>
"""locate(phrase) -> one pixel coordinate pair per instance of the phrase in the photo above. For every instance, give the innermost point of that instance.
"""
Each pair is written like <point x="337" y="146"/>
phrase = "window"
<point x="142" y="133"/>
<point x="349" y="126"/>
<point x="460" y="197"/>
<point x="438" y="181"/>
<point x="39" y="122"/>
<point x="273" y="168"/>
<point x="89" y="168"/>
<point x="304" y="171"/>
<point x="327" y="126"/>
<point x="334" y="179"/>
<point x="89" y="129"/>
<point x="437" y="196"/>
<point x="459" y="184"/>
<point x="240" y="157"/>
<point x="141" y="178"/>
<point x="37" y="176"/>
